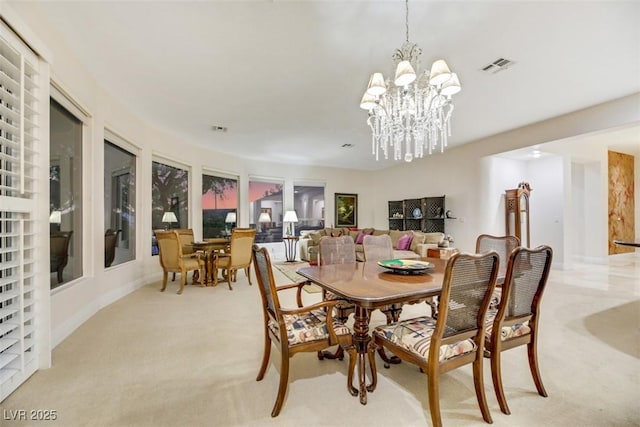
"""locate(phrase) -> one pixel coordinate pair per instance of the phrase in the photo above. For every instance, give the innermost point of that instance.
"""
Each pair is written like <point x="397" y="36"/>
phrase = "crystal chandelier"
<point x="413" y="114"/>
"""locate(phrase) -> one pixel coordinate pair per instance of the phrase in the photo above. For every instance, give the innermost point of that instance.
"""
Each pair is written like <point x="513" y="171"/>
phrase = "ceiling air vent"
<point x="498" y="65"/>
<point x="219" y="128"/>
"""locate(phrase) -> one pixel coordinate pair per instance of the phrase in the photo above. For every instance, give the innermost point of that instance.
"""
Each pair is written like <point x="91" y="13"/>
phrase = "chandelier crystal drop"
<point x="413" y="114"/>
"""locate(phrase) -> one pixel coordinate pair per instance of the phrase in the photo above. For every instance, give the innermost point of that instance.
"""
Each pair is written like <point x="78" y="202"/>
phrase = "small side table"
<point x="290" y="243"/>
<point x="442" y="253"/>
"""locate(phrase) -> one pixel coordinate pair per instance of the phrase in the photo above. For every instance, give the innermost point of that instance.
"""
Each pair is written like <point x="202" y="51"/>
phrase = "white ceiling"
<point x="286" y="77"/>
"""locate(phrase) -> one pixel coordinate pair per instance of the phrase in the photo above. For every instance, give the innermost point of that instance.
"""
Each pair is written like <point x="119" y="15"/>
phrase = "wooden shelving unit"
<point x="425" y="214"/>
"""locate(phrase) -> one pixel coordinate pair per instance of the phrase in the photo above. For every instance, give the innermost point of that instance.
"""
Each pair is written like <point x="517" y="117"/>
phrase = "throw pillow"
<point x="404" y="243"/>
<point x="395" y="236"/>
<point x="360" y="238"/>
<point x="315" y="237"/>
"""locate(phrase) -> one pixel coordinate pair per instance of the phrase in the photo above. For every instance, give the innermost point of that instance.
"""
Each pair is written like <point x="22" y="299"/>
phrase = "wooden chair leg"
<point x="532" y="352"/>
<point x="282" y="388"/>
<point x="183" y="281"/>
<point x="478" y="382"/>
<point x="496" y="377"/>
<point x="165" y="277"/>
<point x="265" y="356"/>
<point x="433" y="388"/>
<point x="174" y="277"/>
<point x="247" y="271"/>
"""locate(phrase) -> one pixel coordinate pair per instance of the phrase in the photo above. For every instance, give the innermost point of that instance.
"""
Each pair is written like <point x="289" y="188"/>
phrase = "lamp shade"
<point x="440" y="72"/>
<point x="169" y="217"/>
<point x="376" y="84"/>
<point x="231" y="217"/>
<point x="368" y="101"/>
<point x="290" y="216"/>
<point x="55" y="217"/>
<point x="451" y="86"/>
<point x="264" y="217"/>
<point x="405" y="74"/>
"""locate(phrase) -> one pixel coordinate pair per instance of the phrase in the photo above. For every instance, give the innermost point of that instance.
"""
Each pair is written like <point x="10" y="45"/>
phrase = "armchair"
<point x="239" y="256"/>
<point x="110" y="243"/>
<point x="303" y="329"/>
<point x="173" y="260"/>
<point x="59" y="252"/>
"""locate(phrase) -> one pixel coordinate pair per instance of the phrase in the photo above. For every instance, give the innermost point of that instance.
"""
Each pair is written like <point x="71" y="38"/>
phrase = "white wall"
<point x="547" y="204"/>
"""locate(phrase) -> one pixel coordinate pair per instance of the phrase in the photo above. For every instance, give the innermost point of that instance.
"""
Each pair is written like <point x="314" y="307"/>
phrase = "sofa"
<point x="420" y="242"/>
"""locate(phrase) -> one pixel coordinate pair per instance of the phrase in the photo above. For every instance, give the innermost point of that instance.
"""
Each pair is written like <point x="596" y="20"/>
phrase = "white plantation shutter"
<point x="18" y="168"/>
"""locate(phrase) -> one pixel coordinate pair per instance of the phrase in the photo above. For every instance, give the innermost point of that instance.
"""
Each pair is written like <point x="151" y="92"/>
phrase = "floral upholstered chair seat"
<point x="305" y="327"/>
<point x="415" y="335"/>
<point x="507" y="332"/>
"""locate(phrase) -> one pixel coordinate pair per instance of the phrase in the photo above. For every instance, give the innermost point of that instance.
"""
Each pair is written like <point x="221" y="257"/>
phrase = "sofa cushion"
<point x="395" y="236"/>
<point x="316" y="236"/>
<point x="418" y="239"/>
<point x="433" y="237"/>
<point x="379" y="232"/>
<point x="404" y="242"/>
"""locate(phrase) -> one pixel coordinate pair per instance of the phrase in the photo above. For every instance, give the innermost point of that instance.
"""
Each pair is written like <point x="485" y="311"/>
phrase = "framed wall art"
<point x="346" y="206"/>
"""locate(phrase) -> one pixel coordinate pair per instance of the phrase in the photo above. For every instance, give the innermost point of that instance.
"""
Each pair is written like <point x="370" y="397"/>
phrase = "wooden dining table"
<point x="210" y="247"/>
<point x="369" y="286"/>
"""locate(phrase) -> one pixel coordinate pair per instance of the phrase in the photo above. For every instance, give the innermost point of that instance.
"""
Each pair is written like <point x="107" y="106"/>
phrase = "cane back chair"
<point x="456" y="337"/>
<point x="293" y="330"/>
<point x="515" y="322"/>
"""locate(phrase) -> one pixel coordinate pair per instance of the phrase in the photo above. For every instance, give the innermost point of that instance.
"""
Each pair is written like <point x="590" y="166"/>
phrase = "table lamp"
<point x="290" y="217"/>
<point x="169" y="218"/>
<point x="264" y="218"/>
<point x="230" y="219"/>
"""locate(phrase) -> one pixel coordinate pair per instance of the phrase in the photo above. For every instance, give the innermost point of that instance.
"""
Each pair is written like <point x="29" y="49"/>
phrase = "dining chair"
<point x="337" y="250"/>
<point x="59" y="252"/>
<point x="515" y="322"/>
<point x="377" y="248"/>
<point x="309" y="328"/>
<point x="503" y="245"/>
<point x="239" y="256"/>
<point x="456" y="337"/>
<point x="186" y="240"/>
<point x="110" y="243"/>
<point x="173" y="260"/>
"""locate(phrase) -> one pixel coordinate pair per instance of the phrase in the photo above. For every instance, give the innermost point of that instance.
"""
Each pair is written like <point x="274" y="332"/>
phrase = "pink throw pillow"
<point x="360" y="238"/>
<point x="404" y="243"/>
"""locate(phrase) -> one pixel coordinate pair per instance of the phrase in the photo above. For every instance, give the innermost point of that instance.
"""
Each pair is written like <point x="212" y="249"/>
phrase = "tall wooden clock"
<point x="517" y="212"/>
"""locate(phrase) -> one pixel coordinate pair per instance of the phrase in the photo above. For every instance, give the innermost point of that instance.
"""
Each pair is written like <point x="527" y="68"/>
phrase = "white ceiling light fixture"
<point x="414" y="112"/>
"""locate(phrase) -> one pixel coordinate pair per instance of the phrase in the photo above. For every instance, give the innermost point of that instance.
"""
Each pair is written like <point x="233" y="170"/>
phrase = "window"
<point x="219" y="198"/>
<point x="308" y="202"/>
<point x="119" y="204"/>
<point x="65" y="194"/>
<point x="169" y="192"/>
<point x="265" y="209"/>
<point x="19" y="165"/>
